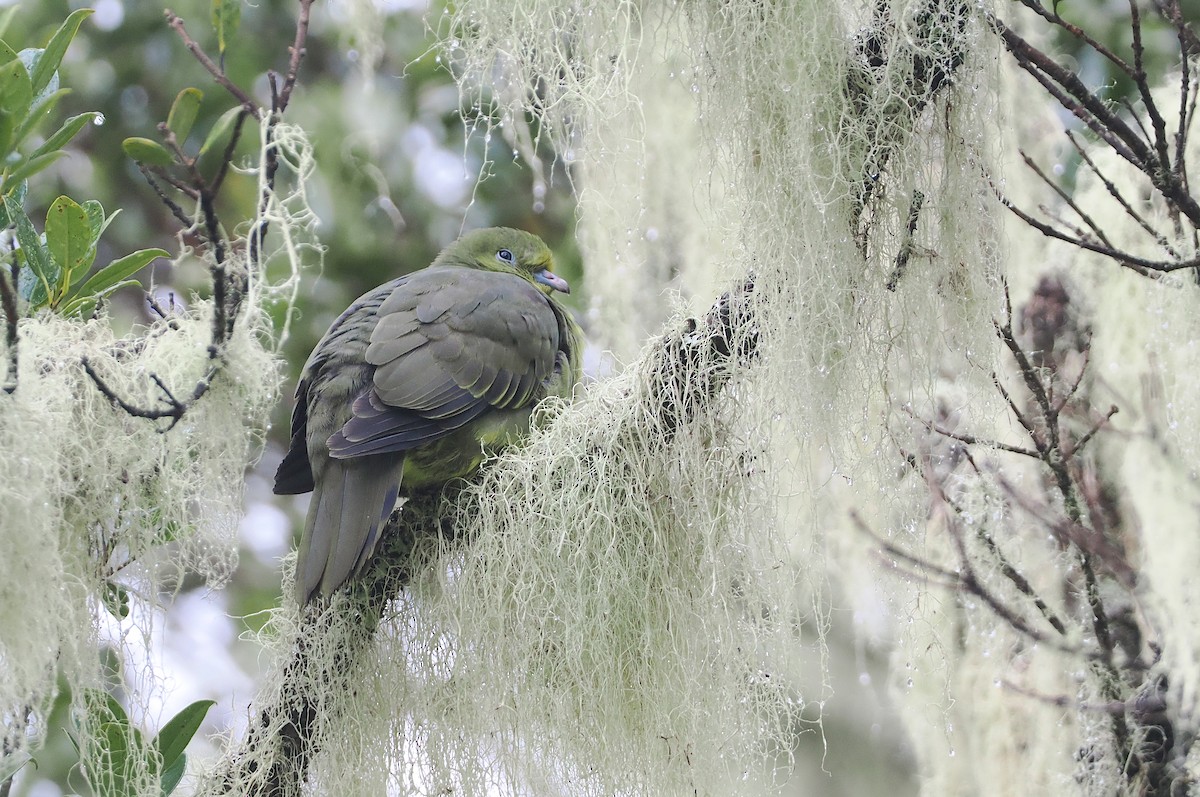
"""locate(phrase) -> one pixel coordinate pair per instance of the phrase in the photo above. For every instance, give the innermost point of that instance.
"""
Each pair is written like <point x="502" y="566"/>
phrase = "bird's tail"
<point x="350" y="505"/>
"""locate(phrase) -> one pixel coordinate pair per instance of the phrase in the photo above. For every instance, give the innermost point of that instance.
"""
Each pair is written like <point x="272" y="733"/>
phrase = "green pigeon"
<point x="415" y="384"/>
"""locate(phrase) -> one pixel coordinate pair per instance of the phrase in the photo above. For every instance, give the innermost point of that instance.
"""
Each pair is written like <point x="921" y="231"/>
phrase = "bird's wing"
<point x="324" y="382"/>
<point x="295" y="475"/>
<point x="450" y="344"/>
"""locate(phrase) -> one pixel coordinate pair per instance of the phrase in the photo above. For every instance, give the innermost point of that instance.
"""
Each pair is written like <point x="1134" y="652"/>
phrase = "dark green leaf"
<point x="37" y="259"/>
<point x="7" y="53"/>
<point x="119" y="741"/>
<point x="32" y="166"/>
<point x="220" y="128"/>
<point x="95" y="217"/>
<point x="42" y="107"/>
<point x="119" y="270"/>
<point x="116" y="597"/>
<point x="16" y="94"/>
<point x="80" y="307"/>
<point x="143" y="150"/>
<point x="172" y="775"/>
<point x="64" y="134"/>
<point x="16" y="91"/>
<point x="226" y="16"/>
<point x="31" y="288"/>
<point x="108" y="770"/>
<point x="174" y="737"/>
<point x="56" y="48"/>
<point x="69" y="237"/>
<point x="183" y="113"/>
<point x="15" y="192"/>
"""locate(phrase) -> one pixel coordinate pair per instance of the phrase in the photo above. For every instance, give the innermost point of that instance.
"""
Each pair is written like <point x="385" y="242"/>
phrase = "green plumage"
<point x="415" y="384"/>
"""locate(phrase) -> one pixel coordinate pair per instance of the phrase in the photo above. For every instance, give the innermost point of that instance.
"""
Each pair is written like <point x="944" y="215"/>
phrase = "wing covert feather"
<point x="450" y="344"/>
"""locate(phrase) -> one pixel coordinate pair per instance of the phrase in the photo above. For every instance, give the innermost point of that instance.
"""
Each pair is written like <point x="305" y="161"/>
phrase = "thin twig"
<point x="297" y="53"/>
<point x="178" y="212"/>
<point x="217" y="73"/>
<point x="1147" y="268"/>
<point x="174" y="407"/>
<point x="1159" y="139"/>
<point x="1116" y="194"/>
<point x="966" y="581"/>
<point x="971" y="440"/>
<point x="1083" y="441"/>
<point x="906" y="245"/>
<point x="1078" y="33"/>
<point x="1065" y="197"/>
<point x="227" y="160"/>
<point x="1072" y="702"/>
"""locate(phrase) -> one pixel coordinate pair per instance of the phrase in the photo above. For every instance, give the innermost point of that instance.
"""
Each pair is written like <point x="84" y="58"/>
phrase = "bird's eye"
<point x="505" y="256"/>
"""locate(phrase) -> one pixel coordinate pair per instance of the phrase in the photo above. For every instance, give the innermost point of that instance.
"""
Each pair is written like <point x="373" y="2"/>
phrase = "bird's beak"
<point x="548" y="278"/>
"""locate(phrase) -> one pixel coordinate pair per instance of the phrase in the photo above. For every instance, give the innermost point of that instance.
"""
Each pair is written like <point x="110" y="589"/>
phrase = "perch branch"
<point x="687" y="370"/>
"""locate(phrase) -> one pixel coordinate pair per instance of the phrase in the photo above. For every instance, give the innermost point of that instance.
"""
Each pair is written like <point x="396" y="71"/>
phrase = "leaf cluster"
<point x="51" y="268"/>
<point x="124" y="743"/>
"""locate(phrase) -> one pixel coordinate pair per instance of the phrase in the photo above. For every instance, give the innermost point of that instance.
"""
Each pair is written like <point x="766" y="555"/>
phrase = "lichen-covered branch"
<point x="694" y="363"/>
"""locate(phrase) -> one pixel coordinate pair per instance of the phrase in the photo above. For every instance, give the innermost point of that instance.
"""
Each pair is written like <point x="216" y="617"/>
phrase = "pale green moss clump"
<point x="631" y="611"/>
<point x="104" y="512"/>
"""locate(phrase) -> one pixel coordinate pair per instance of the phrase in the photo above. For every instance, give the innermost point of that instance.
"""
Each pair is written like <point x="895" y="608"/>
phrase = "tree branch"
<point x="687" y="371"/>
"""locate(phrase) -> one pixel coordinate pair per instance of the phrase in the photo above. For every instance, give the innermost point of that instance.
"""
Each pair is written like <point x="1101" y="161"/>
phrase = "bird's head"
<point x="505" y="249"/>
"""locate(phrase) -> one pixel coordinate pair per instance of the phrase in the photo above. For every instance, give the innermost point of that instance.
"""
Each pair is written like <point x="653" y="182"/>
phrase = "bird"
<point x="415" y="384"/>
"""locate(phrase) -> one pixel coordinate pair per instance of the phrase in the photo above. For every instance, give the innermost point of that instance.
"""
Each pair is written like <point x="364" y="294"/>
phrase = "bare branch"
<point x="218" y="74"/>
<point x="1115" y="193"/>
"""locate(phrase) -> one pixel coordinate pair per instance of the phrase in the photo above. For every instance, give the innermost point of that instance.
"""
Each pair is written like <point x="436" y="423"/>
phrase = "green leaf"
<point x="116" y="596"/>
<point x="119" y="741"/>
<point x="31" y="288"/>
<point x="16" y="94"/>
<point x="41" y="266"/>
<point x="95" y="217"/>
<point x="143" y="150"/>
<point x="30" y="57"/>
<point x="107" y="278"/>
<point x="7" y="53"/>
<point x="173" y="739"/>
<point x="16" y="90"/>
<point x="69" y="237"/>
<point x="108" y="769"/>
<point x="221" y="128"/>
<point x="83" y="307"/>
<point x="32" y="166"/>
<point x="56" y="48"/>
<point x="42" y="107"/>
<point x="172" y="775"/>
<point x="226" y="16"/>
<point x="183" y="113"/>
<point x="61" y="137"/>
<point x="15" y="192"/>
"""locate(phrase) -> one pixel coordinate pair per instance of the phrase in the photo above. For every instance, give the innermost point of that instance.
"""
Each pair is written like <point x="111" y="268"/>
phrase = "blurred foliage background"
<point x="396" y="180"/>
